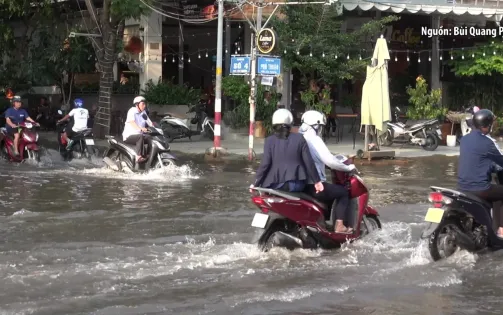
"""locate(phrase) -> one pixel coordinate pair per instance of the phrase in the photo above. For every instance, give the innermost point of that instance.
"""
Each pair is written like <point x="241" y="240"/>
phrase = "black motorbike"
<point x="460" y="220"/>
<point x="83" y="145"/>
<point x="121" y="156"/>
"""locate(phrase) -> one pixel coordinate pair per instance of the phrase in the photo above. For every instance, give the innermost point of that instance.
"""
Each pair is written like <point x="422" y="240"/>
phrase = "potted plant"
<point x="166" y="93"/>
<point x="425" y="105"/>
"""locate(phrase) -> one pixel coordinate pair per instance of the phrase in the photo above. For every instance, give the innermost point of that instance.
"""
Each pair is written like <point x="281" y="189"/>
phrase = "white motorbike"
<point x="178" y="128"/>
<point x="425" y="133"/>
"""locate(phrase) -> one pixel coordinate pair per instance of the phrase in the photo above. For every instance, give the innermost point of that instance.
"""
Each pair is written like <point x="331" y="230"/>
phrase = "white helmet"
<point x="138" y="99"/>
<point x="282" y="116"/>
<point x="313" y="117"/>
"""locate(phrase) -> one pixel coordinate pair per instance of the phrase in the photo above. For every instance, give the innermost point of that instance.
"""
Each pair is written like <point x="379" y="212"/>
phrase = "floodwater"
<point x="78" y="239"/>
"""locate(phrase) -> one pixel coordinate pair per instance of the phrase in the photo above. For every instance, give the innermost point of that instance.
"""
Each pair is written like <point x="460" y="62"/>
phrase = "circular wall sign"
<point x="266" y="40"/>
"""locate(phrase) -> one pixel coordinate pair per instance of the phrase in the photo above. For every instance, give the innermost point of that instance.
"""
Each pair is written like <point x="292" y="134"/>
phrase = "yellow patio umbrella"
<point x="375" y="107"/>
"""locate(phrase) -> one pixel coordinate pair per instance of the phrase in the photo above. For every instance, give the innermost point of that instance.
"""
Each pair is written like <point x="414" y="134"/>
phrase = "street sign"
<point x="240" y="65"/>
<point x="268" y="66"/>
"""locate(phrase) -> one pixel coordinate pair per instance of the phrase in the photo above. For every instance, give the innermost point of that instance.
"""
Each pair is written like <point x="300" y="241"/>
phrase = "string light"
<point x="347" y="57"/>
<point x="173" y="59"/>
<point x="441" y="57"/>
<point x="199" y="55"/>
<point x="284" y="51"/>
<point x="419" y="59"/>
<point x="323" y="55"/>
<point x="429" y="57"/>
<point x="298" y="52"/>
<point x="189" y="59"/>
<point x="164" y="59"/>
<point x="360" y="57"/>
<point x="484" y="54"/>
<point x="206" y="54"/>
<point x="408" y="58"/>
<point x="473" y="55"/>
<point x="336" y="56"/>
<point x="396" y="58"/>
<point x="310" y="54"/>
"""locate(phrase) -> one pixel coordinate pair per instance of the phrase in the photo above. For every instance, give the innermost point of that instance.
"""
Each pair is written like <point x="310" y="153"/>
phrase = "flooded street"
<point x="78" y="239"/>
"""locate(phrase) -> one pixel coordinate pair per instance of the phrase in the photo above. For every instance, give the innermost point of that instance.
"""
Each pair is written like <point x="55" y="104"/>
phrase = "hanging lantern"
<point x="134" y="45"/>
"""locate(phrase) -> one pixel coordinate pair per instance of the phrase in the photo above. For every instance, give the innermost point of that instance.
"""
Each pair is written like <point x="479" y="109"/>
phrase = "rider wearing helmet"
<point x="476" y="157"/>
<point x="80" y="116"/>
<point x="15" y="116"/>
<point x="287" y="164"/>
<point x="312" y="126"/>
<point x="135" y="128"/>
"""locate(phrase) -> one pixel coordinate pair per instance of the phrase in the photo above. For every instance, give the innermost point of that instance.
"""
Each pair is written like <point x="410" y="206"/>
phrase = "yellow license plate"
<point x="434" y="215"/>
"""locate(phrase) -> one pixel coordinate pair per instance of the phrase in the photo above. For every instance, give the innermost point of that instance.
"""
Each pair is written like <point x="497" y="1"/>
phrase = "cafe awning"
<point x="487" y="8"/>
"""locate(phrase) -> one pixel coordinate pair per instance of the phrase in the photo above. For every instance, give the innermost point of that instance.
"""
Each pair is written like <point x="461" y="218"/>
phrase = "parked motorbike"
<point x="28" y="143"/>
<point x="466" y="124"/>
<point x="297" y="220"/>
<point x="121" y="156"/>
<point x="82" y="146"/>
<point x="178" y="128"/>
<point x="425" y="133"/>
<point x="460" y="220"/>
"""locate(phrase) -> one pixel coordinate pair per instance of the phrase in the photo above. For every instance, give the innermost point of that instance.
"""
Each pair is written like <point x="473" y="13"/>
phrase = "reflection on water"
<point x="78" y="239"/>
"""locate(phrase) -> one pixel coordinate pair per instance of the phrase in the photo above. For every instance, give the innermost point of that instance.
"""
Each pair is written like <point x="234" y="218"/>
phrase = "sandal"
<point x="345" y="231"/>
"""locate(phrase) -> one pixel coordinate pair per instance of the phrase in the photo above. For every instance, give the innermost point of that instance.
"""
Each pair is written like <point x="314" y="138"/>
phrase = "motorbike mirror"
<point x="397" y="109"/>
<point x="60" y="112"/>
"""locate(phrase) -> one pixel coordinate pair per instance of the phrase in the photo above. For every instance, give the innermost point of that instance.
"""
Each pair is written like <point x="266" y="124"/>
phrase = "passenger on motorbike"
<point x="477" y="155"/>
<point x="80" y="116"/>
<point x="15" y="116"/>
<point x="287" y="164"/>
<point x="312" y="126"/>
<point x="135" y="128"/>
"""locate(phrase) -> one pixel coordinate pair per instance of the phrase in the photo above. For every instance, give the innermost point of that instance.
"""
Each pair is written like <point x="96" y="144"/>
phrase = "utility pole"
<point x="253" y="90"/>
<point x="218" y="81"/>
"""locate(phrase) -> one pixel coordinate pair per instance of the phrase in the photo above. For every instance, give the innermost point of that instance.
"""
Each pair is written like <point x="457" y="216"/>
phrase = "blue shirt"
<point x="16" y="116"/>
<point x="477" y="154"/>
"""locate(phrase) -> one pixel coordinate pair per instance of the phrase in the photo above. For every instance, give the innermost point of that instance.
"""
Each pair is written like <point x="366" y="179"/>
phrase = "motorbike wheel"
<point x="209" y="131"/>
<point x="165" y="162"/>
<point x="431" y="141"/>
<point x="386" y="139"/>
<point x="441" y="243"/>
<point x="372" y="224"/>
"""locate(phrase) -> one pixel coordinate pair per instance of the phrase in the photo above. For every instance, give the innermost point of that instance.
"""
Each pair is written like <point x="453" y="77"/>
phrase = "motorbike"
<point x="466" y="124"/>
<point x="82" y="146"/>
<point x="121" y="156"/>
<point x="178" y="128"/>
<point x="28" y="143"/>
<point x="297" y="220"/>
<point x="460" y="220"/>
<point x="425" y="133"/>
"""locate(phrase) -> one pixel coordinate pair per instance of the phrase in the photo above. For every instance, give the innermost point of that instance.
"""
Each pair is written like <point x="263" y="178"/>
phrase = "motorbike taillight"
<point x="438" y="199"/>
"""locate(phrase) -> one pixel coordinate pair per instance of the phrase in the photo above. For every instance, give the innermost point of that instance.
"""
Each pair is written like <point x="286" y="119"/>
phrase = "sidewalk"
<point x="236" y="146"/>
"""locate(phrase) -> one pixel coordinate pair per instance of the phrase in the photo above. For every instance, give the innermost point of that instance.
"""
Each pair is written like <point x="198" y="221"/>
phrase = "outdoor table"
<point x="354" y="121"/>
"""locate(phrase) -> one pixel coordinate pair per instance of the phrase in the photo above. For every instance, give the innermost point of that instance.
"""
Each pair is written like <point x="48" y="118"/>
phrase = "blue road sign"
<point x="268" y="66"/>
<point x="240" y="65"/>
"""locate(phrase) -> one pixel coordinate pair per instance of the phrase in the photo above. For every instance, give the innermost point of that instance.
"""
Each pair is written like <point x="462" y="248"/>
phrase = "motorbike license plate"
<point x="89" y="142"/>
<point x="434" y="215"/>
<point x="439" y="132"/>
<point x="260" y="220"/>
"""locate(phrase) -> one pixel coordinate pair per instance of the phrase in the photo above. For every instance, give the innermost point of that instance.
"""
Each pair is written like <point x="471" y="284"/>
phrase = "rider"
<point x="312" y="127"/>
<point x="135" y="128"/>
<point x="287" y="164"/>
<point x="15" y="116"/>
<point x="80" y="116"/>
<point x="477" y="155"/>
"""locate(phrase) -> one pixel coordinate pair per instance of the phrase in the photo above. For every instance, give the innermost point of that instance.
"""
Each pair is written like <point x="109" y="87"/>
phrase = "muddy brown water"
<point x="78" y="239"/>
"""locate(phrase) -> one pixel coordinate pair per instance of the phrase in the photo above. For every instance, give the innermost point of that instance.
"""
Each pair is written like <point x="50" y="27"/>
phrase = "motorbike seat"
<point x="414" y="123"/>
<point x="307" y="197"/>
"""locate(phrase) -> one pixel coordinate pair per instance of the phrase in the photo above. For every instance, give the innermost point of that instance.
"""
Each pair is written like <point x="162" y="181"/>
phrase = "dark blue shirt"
<point x="477" y="154"/>
<point x="16" y="116"/>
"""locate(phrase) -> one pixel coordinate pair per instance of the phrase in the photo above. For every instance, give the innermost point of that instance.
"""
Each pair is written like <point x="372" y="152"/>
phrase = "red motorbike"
<point x="28" y="147"/>
<point x="297" y="220"/>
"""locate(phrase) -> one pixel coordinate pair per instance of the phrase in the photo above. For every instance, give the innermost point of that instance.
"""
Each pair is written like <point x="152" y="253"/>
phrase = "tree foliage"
<point x="485" y="59"/>
<point x="310" y="40"/>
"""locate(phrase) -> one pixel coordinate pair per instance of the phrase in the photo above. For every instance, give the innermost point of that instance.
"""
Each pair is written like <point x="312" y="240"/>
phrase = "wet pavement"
<point x="79" y="239"/>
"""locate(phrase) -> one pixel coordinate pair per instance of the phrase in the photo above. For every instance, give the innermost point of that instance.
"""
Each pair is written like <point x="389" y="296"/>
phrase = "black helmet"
<point x="484" y="118"/>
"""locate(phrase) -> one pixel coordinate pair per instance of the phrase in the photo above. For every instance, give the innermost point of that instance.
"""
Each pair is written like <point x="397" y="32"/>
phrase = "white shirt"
<point x="80" y="117"/>
<point x="320" y="153"/>
<point x="134" y="114"/>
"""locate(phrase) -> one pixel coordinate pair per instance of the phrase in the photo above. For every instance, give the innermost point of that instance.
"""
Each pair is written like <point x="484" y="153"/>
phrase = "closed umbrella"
<point x="375" y="107"/>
